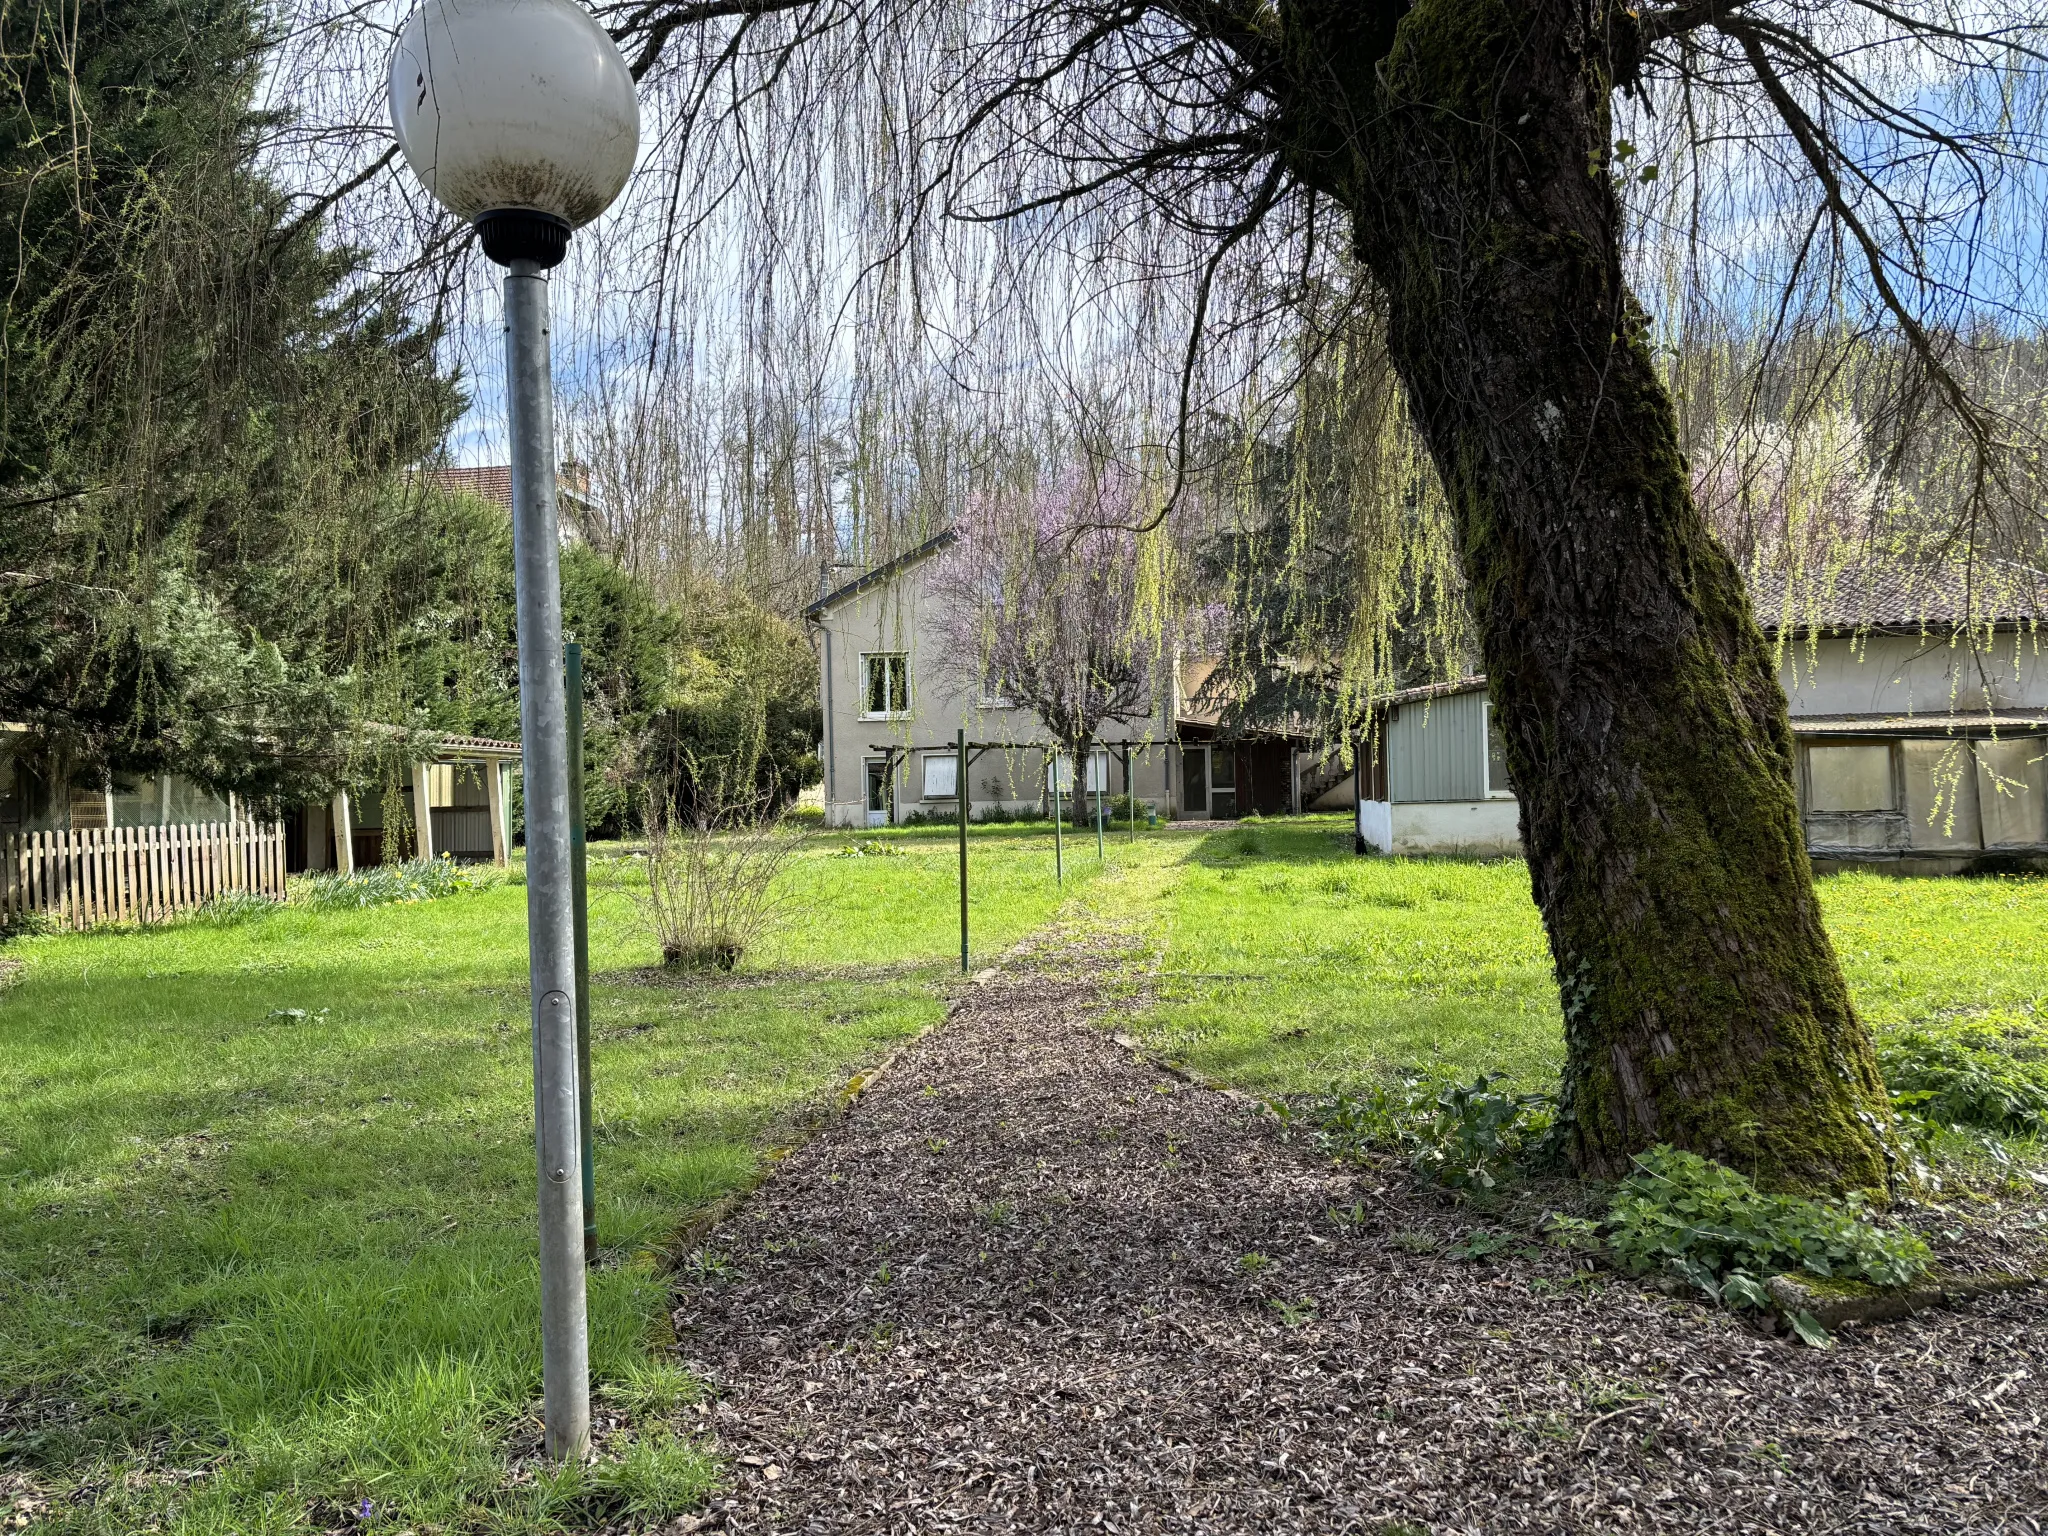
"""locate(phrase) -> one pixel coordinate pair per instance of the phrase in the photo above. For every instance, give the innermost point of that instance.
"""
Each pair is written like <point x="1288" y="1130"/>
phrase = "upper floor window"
<point x="885" y="689"/>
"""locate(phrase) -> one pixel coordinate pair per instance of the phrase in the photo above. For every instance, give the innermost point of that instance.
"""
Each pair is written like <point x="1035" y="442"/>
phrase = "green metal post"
<point x="579" y="890"/>
<point x="1098" y="799"/>
<point x="962" y="790"/>
<point x="1059" y="848"/>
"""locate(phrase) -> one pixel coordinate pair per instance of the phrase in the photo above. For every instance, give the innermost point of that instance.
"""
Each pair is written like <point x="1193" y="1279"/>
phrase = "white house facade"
<point x="895" y="700"/>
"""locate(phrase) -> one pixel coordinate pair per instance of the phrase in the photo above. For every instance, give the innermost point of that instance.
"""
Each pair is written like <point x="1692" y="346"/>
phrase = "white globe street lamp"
<point x="519" y="115"/>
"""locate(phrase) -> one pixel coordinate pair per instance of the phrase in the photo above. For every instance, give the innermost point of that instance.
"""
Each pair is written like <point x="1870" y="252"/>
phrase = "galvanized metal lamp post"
<point x="519" y="115"/>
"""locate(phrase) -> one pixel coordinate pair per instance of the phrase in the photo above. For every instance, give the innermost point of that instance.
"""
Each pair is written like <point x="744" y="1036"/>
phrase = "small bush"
<point x="932" y="818"/>
<point x="382" y="884"/>
<point x="998" y="815"/>
<point x="1681" y="1215"/>
<point x="1080" y="814"/>
<point x="27" y="925"/>
<point x="1116" y="812"/>
<point x="1464" y="1136"/>
<point x="1983" y="1072"/>
<point x="712" y="891"/>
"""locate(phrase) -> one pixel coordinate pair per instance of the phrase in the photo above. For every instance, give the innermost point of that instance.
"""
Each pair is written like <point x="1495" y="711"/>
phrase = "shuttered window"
<point x="1851" y="776"/>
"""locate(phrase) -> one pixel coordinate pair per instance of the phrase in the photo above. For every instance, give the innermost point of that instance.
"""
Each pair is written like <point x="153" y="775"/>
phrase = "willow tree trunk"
<point x="1643" y="718"/>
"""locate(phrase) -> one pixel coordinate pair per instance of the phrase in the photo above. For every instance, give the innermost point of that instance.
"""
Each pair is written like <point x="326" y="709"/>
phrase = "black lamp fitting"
<point x="523" y="234"/>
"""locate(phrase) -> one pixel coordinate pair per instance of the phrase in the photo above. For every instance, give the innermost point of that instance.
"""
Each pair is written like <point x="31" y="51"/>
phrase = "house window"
<point x="1098" y="771"/>
<point x="941" y="775"/>
<point x="1498" y="785"/>
<point x="1851" y="776"/>
<point x="886" y="689"/>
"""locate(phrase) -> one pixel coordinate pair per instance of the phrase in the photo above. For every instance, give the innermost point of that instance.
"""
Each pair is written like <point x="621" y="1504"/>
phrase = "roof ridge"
<point x="880" y="573"/>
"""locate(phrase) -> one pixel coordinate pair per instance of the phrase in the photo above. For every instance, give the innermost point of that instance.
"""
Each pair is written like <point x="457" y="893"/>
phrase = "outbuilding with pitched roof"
<point x="1919" y="711"/>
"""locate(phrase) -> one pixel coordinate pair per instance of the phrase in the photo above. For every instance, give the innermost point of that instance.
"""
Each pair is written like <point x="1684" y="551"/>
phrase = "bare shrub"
<point x="711" y="868"/>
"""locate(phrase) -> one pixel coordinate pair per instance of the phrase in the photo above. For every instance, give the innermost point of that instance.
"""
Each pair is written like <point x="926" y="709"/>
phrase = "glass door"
<point x="1223" y="783"/>
<point x="1194" y="772"/>
<point x="878" y="794"/>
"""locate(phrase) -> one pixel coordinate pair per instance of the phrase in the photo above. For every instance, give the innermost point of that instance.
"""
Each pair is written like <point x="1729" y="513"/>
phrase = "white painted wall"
<point x="900" y="616"/>
<point x="1376" y="824"/>
<point x="1483" y="827"/>
<point x="1913" y="674"/>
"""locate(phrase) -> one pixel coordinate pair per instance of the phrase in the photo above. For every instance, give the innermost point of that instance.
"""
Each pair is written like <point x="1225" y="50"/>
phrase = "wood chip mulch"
<point x="1031" y="1283"/>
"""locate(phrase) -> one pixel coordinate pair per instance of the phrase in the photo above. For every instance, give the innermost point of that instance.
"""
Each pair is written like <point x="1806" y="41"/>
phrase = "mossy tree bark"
<point x="1645" y="725"/>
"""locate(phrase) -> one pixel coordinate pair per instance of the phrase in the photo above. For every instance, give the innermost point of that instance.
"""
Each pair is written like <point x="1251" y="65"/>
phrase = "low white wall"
<point x="1376" y="825"/>
<point x="1456" y="826"/>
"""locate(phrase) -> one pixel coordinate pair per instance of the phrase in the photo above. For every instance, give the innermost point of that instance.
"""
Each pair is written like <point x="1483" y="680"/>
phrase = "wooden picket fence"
<point x="136" y="874"/>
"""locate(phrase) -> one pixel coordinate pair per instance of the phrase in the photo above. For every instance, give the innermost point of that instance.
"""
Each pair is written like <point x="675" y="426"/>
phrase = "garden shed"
<point x="1921" y="745"/>
<point x="107" y="848"/>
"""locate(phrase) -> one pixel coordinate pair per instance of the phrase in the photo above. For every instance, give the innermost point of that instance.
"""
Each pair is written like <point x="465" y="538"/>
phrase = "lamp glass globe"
<point x="514" y="104"/>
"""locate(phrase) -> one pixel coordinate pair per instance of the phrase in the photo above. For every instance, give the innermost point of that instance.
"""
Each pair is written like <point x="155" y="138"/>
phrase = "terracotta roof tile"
<point x="493" y="482"/>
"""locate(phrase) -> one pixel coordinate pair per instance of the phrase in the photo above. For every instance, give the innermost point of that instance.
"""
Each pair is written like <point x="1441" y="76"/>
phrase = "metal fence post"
<point x="1131" y="788"/>
<point x="961" y="793"/>
<point x="1059" y="847"/>
<point x="1098" y="799"/>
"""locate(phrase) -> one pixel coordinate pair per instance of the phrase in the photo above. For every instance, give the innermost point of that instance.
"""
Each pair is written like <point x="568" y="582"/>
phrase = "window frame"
<point x="867" y="659"/>
<point x="994" y="695"/>
<point x="1890" y="744"/>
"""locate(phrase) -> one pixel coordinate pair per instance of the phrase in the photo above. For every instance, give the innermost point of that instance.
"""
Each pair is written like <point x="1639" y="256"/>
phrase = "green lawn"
<point x="266" y="1190"/>
<point x="1289" y="964"/>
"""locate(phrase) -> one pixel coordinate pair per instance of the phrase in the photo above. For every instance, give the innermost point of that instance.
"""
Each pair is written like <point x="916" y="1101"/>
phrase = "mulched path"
<point x="1031" y="1283"/>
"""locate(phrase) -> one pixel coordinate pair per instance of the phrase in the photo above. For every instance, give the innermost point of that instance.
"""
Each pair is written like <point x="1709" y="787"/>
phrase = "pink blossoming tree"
<point x="1049" y="601"/>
